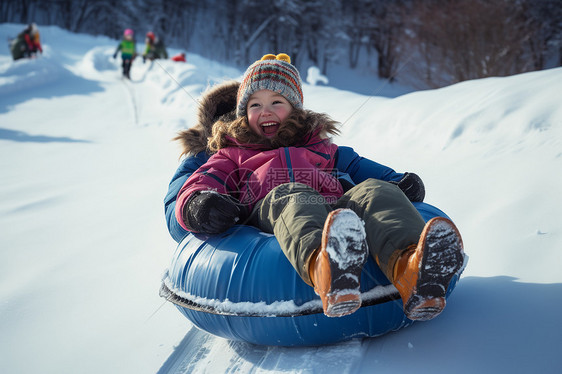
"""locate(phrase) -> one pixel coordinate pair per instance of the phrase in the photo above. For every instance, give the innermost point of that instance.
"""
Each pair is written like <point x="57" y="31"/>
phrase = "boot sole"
<point x="442" y="258"/>
<point x="347" y="250"/>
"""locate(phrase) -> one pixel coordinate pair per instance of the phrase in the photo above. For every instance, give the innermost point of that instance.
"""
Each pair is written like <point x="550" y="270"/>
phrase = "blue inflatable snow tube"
<point x="240" y="286"/>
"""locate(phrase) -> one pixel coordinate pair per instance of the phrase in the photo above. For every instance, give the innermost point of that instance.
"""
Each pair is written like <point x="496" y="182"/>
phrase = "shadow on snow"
<point x="20" y="136"/>
<point x="495" y="324"/>
<point x="48" y="83"/>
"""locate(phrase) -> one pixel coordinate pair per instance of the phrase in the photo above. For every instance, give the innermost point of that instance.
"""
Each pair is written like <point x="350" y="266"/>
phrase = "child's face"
<point x="266" y="111"/>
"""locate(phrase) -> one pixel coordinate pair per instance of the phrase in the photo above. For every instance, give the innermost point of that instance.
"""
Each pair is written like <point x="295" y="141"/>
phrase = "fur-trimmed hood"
<point x="214" y="103"/>
<point x="218" y="127"/>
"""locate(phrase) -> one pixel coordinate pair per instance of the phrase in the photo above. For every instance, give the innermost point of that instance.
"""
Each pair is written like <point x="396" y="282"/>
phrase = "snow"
<point x="314" y="76"/>
<point x="86" y="159"/>
<point x="348" y="231"/>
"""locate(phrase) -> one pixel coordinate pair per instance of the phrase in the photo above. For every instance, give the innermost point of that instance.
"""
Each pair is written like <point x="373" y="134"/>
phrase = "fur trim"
<point x="214" y="104"/>
<point x="297" y="129"/>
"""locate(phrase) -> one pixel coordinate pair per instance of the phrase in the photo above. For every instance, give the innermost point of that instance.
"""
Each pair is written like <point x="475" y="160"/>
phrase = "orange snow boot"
<point x="422" y="272"/>
<point x="335" y="267"/>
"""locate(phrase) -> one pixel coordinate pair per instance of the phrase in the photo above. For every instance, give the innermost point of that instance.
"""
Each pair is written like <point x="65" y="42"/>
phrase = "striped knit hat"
<point x="273" y="73"/>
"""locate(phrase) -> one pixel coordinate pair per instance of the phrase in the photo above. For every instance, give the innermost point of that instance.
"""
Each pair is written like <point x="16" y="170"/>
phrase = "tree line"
<point x="432" y="42"/>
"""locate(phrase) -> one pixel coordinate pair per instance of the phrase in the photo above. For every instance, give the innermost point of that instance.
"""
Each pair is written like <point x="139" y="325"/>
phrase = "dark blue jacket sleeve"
<point x="360" y="168"/>
<point x="186" y="168"/>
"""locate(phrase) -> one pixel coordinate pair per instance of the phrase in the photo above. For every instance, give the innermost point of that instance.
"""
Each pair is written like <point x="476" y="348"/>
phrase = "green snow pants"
<point x="295" y="213"/>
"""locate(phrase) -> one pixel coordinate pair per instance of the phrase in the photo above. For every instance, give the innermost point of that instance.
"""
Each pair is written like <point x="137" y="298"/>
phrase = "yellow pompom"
<point x="284" y="57"/>
<point x="268" y="57"/>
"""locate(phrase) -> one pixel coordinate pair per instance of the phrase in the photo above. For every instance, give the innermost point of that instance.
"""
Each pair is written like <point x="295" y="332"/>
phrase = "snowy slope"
<point x="86" y="158"/>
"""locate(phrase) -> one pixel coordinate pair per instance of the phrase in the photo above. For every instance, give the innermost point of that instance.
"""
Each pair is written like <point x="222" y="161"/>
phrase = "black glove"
<point x="114" y="56"/>
<point x="210" y="212"/>
<point x="412" y="186"/>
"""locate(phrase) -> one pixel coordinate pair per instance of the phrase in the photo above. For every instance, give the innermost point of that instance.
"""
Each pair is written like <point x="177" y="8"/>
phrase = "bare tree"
<point x="470" y="39"/>
<point x="386" y="34"/>
<point x="545" y="21"/>
<point x="321" y="32"/>
<point x="444" y="41"/>
<point x="356" y="23"/>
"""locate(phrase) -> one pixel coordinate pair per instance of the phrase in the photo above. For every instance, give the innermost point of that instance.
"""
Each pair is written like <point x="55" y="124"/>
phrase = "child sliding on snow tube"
<point x="273" y="165"/>
<point x="27" y="43"/>
<point x="128" y="49"/>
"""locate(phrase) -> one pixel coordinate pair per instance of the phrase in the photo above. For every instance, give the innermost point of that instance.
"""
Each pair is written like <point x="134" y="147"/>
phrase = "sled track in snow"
<point x="200" y="352"/>
<point x="187" y="354"/>
<point x="133" y="100"/>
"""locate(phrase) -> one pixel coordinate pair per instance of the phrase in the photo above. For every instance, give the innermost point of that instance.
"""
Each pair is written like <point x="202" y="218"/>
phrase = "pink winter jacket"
<point x="248" y="173"/>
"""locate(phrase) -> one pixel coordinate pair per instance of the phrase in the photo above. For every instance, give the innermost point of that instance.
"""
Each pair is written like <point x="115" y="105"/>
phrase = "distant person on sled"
<point x="272" y="164"/>
<point x="154" y="48"/>
<point x="180" y="57"/>
<point x="128" y="49"/>
<point x="27" y="43"/>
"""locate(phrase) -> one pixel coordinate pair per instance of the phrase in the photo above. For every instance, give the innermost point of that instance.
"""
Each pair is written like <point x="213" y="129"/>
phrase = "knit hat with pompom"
<point x="274" y="73"/>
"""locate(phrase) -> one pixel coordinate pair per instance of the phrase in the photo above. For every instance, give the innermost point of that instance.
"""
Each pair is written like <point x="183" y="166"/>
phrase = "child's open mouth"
<point x="270" y="128"/>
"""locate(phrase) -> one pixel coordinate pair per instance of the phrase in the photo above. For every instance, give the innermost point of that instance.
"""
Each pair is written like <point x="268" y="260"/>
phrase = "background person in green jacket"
<point x="154" y="49"/>
<point x="128" y="50"/>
